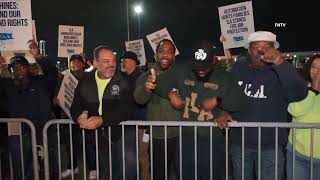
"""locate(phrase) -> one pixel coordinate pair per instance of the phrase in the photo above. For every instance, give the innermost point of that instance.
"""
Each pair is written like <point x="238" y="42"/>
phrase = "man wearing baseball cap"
<point x="202" y="92"/>
<point x="270" y="84"/>
<point x="29" y="96"/>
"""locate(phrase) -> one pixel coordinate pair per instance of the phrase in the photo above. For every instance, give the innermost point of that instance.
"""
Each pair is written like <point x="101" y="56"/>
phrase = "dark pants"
<point x="203" y="157"/>
<point x="76" y="143"/>
<point x="15" y="152"/>
<point x="116" y="156"/>
<point x="158" y="146"/>
<point x="16" y="159"/>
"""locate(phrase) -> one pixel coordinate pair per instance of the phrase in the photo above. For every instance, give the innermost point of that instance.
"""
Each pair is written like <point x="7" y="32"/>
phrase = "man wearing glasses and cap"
<point x="270" y="83"/>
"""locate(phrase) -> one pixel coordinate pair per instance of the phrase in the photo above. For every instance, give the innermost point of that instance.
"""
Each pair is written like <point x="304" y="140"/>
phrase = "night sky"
<point x="186" y="20"/>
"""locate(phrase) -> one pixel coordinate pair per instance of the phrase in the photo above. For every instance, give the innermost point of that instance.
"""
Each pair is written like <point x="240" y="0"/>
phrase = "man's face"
<point x="202" y="73"/>
<point x="165" y="54"/>
<point x="106" y="63"/>
<point x="76" y="65"/>
<point x="129" y="65"/>
<point x="258" y="49"/>
<point x="20" y="71"/>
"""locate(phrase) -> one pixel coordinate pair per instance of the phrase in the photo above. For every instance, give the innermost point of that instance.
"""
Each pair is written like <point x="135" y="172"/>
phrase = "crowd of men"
<point x="258" y="88"/>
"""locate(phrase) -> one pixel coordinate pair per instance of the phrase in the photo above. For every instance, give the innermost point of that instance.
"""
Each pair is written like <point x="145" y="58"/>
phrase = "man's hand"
<point x="150" y="84"/>
<point x="272" y="56"/>
<point x="34" y="49"/>
<point x="92" y="123"/>
<point x="210" y="103"/>
<point x="222" y="39"/>
<point x="83" y="118"/>
<point x="176" y="101"/>
<point x="223" y="119"/>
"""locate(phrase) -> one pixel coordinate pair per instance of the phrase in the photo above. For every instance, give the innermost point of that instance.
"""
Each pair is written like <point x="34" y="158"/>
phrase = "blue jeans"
<point x="203" y="157"/>
<point x="267" y="171"/>
<point x="302" y="165"/>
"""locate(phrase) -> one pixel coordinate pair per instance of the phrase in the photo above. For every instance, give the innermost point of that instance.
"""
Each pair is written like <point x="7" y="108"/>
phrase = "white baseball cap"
<point x="262" y="36"/>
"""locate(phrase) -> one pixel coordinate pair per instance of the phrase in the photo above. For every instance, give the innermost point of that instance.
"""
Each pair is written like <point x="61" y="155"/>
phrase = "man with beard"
<point x="102" y="100"/>
<point x="202" y="92"/>
<point x="159" y="109"/>
<point x="30" y="97"/>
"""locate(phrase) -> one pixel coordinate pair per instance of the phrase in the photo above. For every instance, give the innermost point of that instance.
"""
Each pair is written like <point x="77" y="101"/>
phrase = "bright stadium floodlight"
<point x="138" y="9"/>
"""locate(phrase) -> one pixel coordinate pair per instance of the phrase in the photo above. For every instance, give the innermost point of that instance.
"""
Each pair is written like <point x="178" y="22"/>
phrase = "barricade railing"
<point x="14" y="129"/>
<point x="106" y="133"/>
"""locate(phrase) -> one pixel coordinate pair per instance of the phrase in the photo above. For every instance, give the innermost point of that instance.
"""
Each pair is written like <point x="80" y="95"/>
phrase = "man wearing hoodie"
<point x="270" y="84"/>
<point x="202" y="91"/>
<point x="159" y="109"/>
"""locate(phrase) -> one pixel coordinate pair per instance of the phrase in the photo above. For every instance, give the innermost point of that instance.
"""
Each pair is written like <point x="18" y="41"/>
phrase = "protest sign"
<point x="156" y="37"/>
<point x="236" y="22"/>
<point x="66" y="92"/>
<point x="15" y="24"/>
<point x="7" y="55"/>
<point x="70" y="40"/>
<point x="137" y="46"/>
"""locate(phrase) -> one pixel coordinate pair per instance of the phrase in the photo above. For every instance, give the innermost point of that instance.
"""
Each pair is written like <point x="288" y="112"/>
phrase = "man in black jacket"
<point x="102" y="100"/>
<point x="29" y="97"/>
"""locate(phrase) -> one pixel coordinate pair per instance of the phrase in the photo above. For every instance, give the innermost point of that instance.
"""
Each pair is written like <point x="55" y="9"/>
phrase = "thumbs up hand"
<point x="151" y="81"/>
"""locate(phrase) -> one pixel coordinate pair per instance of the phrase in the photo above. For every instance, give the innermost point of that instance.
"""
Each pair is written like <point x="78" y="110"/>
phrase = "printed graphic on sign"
<point x="70" y="40"/>
<point x="137" y="46"/>
<point x="15" y="24"/>
<point x="7" y="55"/>
<point x="236" y="22"/>
<point x="158" y="36"/>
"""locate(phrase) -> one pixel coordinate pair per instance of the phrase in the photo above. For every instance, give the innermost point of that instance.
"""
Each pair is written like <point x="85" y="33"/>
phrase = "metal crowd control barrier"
<point x="14" y="125"/>
<point x="180" y="125"/>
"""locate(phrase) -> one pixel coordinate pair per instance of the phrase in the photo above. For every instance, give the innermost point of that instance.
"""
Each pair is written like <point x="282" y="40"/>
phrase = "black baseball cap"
<point x="203" y="54"/>
<point x="18" y="60"/>
<point x="130" y="55"/>
<point x="76" y="57"/>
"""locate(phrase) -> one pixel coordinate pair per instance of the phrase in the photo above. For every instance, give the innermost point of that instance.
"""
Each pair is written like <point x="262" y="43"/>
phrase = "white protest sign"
<point x="236" y="22"/>
<point x="70" y="40"/>
<point x="66" y="92"/>
<point x="15" y="24"/>
<point x="7" y="55"/>
<point x="158" y="36"/>
<point x="137" y="47"/>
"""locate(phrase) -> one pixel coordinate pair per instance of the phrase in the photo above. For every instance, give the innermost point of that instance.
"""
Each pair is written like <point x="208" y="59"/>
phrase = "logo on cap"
<point x="200" y="55"/>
